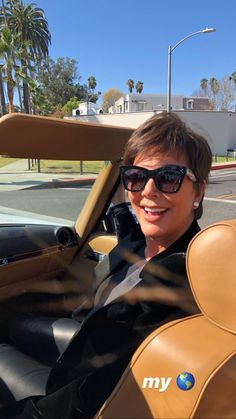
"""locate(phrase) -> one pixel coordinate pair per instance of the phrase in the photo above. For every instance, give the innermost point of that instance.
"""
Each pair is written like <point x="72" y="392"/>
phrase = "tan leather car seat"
<point x="203" y="345"/>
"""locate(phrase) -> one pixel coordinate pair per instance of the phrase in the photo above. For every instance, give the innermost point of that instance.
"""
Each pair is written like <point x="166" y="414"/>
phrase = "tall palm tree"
<point x="215" y="87"/>
<point x="4" y="22"/>
<point x="7" y="52"/>
<point x="139" y="87"/>
<point x="233" y="77"/>
<point x="130" y="84"/>
<point x="92" y="83"/>
<point x="30" y="27"/>
<point x="204" y="85"/>
<point x="214" y="90"/>
<point x="2" y="93"/>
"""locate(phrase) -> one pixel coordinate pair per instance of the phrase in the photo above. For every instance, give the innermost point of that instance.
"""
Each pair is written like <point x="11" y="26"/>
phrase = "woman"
<point x="167" y="200"/>
<point x="165" y="174"/>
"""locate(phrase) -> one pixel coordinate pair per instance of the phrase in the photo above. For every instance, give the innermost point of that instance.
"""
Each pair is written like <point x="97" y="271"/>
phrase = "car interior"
<point x="40" y="254"/>
<point x="36" y="258"/>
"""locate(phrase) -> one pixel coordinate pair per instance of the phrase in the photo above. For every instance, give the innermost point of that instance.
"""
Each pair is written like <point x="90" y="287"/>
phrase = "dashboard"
<point x="32" y="255"/>
<point x="19" y="242"/>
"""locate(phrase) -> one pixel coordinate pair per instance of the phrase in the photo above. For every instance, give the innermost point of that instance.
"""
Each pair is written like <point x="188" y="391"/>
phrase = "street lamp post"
<point x="170" y="50"/>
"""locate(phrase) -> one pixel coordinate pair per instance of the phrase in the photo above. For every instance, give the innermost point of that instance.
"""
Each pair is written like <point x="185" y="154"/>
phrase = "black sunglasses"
<point x="168" y="179"/>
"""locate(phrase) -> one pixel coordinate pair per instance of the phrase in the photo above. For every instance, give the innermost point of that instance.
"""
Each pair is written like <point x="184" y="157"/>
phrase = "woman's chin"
<point x="152" y="233"/>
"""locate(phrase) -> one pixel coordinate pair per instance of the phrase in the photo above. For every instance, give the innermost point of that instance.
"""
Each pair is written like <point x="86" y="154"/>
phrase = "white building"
<point x="218" y="127"/>
<point x="139" y="102"/>
<point x="87" y="108"/>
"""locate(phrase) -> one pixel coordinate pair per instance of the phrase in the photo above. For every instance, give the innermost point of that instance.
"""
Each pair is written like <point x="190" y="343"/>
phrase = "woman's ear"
<point x="200" y="191"/>
<point x="197" y="204"/>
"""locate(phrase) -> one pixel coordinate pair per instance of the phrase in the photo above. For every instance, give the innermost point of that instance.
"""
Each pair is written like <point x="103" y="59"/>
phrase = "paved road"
<point x="26" y="191"/>
<point x="220" y="199"/>
<point x="63" y="203"/>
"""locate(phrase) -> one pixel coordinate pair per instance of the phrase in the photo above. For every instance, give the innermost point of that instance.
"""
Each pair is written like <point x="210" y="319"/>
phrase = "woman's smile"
<point x="152" y="213"/>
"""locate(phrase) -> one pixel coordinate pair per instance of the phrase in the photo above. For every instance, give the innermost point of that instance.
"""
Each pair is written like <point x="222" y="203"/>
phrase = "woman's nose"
<point x="150" y="188"/>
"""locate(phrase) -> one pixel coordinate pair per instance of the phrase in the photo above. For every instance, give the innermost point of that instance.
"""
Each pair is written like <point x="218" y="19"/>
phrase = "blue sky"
<point x="117" y="40"/>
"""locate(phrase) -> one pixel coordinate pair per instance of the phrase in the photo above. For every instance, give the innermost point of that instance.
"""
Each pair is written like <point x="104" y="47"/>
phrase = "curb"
<point x="222" y="166"/>
<point x="72" y="182"/>
<point x="58" y="183"/>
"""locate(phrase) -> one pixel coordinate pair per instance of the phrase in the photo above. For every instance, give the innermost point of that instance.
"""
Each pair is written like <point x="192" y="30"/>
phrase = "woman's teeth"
<point x="155" y="210"/>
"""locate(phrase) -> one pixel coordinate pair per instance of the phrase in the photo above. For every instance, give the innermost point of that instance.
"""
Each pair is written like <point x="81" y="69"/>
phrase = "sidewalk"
<point x="18" y="166"/>
<point x="15" y="176"/>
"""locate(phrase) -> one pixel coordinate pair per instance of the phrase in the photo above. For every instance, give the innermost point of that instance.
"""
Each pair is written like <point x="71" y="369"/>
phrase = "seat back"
<point x="203" y="345"/>
<point x="211" y="268"/>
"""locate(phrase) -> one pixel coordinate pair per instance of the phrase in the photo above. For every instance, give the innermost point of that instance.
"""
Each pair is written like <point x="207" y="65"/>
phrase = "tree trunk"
<point x="18" y="87"/>
<point x="2" y="95"/>
<point x="25" y="88"/>
<point x="19" y="93"/>
<point x="26" y="97"/>
<point x="10" y="91"/>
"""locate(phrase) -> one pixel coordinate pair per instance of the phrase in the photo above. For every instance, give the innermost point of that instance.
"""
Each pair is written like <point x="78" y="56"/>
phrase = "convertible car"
<point x="47" y="267"/>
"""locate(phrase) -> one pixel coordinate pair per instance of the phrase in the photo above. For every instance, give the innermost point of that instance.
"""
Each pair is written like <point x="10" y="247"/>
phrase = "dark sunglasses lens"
<point x="134" y="179"/>
<point x="168" y="180"/>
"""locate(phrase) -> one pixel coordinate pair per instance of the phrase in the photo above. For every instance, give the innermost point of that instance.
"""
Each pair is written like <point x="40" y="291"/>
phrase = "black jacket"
<point x="89" y="369"/>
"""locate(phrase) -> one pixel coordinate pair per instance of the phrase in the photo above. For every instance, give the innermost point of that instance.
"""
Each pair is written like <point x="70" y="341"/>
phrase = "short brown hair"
<point x="166" y="133"/>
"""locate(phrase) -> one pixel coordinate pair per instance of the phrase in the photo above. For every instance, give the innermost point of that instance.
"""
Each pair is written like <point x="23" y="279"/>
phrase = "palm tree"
<point x="130" y="84"/>
<point x="204" y="85"/>
<point x="233" y="77"/>
<point x="92" y="83"/>
<point x="3" y="22"/>
<point x="215" y="87"/>
<point x="7" y="52"/>
<point x="30" y="27"/>
<point x="2" y="93"/>
<point x="214" y="90"/>
<point x="139" y="87"/>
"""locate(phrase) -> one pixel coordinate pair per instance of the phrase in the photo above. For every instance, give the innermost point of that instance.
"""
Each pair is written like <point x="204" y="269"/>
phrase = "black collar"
<point x="181" y="244"/>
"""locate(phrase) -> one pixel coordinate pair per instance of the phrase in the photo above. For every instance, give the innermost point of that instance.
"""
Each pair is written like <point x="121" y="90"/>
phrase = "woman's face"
<point x="163" y="217"/>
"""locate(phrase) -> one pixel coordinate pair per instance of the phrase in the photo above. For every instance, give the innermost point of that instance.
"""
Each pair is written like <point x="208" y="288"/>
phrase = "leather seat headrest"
<point x="211" y="268"/>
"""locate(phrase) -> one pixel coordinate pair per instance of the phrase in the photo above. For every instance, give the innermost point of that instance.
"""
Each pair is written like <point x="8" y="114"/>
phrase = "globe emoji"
<point x="185" y="381"/>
